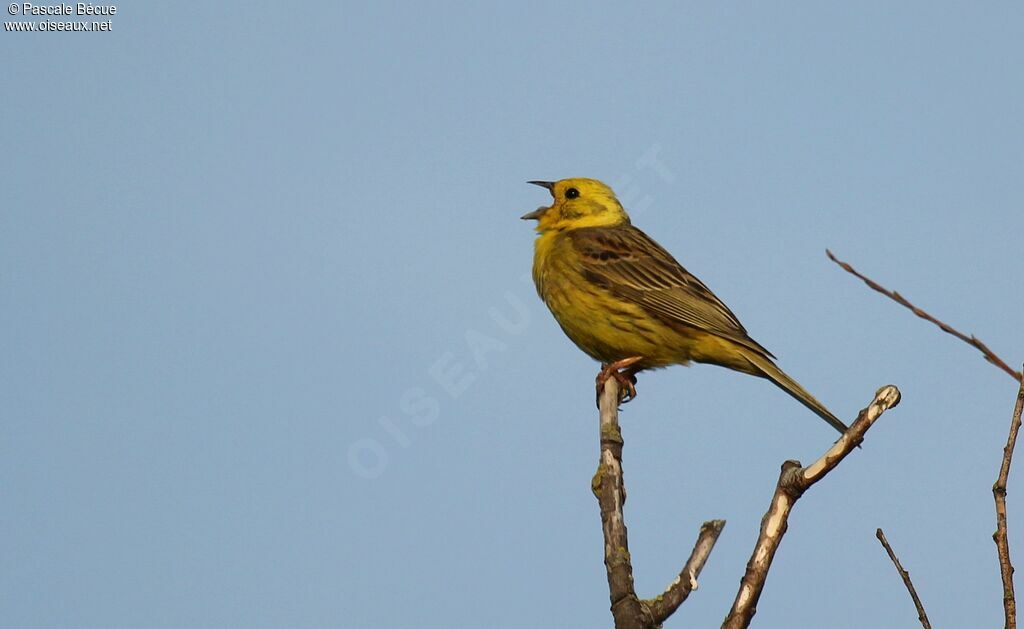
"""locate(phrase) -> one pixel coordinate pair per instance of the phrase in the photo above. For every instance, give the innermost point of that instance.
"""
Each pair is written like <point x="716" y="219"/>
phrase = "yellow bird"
<point x="625" y="301"/>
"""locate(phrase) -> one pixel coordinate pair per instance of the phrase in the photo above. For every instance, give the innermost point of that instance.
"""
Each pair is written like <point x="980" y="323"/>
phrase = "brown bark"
<point x="999" y="491"/>
<point x="793" y="481"/>
<point x="921" y="615"/>
<point x="628" y="610"/>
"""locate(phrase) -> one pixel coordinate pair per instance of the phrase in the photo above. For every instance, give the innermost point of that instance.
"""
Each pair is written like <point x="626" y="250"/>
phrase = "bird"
<point x="627" y="303"/>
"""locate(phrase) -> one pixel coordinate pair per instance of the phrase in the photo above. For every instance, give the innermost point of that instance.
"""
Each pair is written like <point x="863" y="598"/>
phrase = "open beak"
<point x="536" y="214"/>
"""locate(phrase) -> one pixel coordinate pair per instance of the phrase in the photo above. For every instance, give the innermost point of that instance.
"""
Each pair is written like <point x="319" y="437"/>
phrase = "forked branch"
<point x="628" y="610"/>
<point x="794" y="480"/>
<point x="999" y="488"/>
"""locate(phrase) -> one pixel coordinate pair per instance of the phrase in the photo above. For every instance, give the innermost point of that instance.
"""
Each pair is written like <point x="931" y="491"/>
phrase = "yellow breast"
<point x="602" y="325"/>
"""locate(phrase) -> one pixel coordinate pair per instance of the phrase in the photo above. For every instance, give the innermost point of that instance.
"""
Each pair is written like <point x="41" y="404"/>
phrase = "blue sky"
<point x="272" y="357"/>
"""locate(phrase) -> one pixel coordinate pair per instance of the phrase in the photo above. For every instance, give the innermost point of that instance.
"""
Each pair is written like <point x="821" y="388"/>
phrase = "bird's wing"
<point x="629" y="264"/>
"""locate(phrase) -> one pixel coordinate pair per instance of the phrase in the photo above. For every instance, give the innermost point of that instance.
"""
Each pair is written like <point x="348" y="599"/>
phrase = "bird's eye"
<point x="572" y="193"/>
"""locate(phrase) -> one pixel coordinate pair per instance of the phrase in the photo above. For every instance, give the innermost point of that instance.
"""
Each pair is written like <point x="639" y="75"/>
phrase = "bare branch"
<point x="972" y="340"/>
<point x="999" y="488"/>
<point x="677" y="592"/>
<point x="628" y="610"/>
<point x="608" y="486"/>
<point x="999" y="491"/>
<point x="794" y="480"/>
<point x="921" y="615"/>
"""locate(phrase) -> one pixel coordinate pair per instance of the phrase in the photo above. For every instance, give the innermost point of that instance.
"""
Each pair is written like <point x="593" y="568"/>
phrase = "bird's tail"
<point x="764" y="367"/>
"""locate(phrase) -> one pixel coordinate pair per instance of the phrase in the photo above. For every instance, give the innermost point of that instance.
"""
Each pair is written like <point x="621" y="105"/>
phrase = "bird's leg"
<point x="624" y="372"/>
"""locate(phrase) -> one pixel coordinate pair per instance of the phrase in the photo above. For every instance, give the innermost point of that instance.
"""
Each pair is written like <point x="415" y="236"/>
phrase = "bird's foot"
<point x="624" y="374"/>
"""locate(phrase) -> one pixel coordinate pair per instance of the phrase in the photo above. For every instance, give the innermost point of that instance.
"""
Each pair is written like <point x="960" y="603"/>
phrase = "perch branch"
<point x="972" y="340"/>
<point x="1000" y="538"/>
<point x="794" y="480"/>
<point x="608" y="486"/>
<point x="921" y="615"/>
<point x="628" y="610"/>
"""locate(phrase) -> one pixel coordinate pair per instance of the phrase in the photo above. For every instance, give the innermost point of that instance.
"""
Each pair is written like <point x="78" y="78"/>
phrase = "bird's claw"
<point x="623" y="374"/>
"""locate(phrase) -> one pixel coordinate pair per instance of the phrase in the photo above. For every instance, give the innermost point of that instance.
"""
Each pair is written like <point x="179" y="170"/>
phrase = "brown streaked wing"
<point x="629" y="264"/>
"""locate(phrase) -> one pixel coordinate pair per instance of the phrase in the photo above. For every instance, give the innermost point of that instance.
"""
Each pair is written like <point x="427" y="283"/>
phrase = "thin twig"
<point x="677" y="592"/>
<point x="794" y="480"/>
<point x="972" y="340"/>
<point x="1000" y="538"/>
<point x="921" y="615"/>
<point x="628" y="610"/>
<point x="999" y="488"/>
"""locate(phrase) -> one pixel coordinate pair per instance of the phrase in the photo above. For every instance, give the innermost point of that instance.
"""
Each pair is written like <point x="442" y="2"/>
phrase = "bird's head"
<point x="578" y="203"/>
